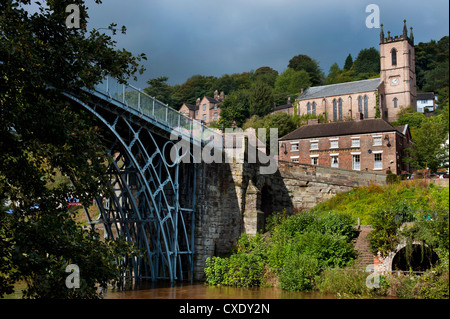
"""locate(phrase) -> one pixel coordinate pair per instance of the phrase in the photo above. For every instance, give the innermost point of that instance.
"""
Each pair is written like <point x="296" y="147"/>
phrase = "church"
<point x="381" y="97"/>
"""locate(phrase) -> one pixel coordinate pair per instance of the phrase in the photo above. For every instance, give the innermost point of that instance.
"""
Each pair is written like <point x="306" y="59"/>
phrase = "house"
<point x="365" y="99"/>
<point x="206" y="109"/>
<point x="426" y="102"/>
<point x="372" y="145"/>
<point x="287" y="108"/>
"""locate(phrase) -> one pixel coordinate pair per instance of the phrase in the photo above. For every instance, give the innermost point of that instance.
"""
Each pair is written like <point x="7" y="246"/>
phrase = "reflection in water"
<point x="202" y="291"/>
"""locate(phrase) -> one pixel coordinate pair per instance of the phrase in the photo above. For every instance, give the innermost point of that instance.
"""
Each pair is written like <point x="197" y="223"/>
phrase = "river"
<point x="202" y="291"/>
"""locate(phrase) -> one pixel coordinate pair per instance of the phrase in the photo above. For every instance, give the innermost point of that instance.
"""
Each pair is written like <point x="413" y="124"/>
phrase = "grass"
<point x="411" y="196"/>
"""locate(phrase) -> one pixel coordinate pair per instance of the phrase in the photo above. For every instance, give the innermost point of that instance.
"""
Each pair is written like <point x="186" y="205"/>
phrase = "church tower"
<point x="397" y="71"/>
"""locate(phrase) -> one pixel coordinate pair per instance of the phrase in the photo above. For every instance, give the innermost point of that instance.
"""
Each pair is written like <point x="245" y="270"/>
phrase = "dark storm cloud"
<point x="186" y="37"/>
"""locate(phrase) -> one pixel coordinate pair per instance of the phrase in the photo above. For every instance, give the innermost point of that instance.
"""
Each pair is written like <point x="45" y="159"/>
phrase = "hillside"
<point x="411" y="196"/>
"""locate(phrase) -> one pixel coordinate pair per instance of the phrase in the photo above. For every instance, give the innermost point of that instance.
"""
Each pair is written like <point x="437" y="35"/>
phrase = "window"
<point x="294" y="147"/>
<point x="377" y="141"/>
<point x="334" y="110"/>
<point x="314" y="108"/>
<point x="366" y="107"/>
<point x="356" y="162"/>
<point x="360" y="110"/>
<point x="378" y="161"/>
<point x="315" y="160"/>
<point x="314" y="145"/>
<point x="215" y="106"/>
<point x="394" y="56"/>
<point x="395" y="102"/>
<point x="215" y="116"/>
<point x="355" y="142"/>
<point x="204" y="107"/>
<point x="334" y="143"/>
<point x="340" y="109"/>
<point x="204" y="117"/>
<point x="196" y="113"/>
<point x="335" y="161"/>
<point x="308" y="108"/>
<point x="295" y="160"/>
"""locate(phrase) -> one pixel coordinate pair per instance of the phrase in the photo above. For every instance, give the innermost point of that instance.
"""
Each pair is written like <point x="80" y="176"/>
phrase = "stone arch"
<point x="422" y="257"/>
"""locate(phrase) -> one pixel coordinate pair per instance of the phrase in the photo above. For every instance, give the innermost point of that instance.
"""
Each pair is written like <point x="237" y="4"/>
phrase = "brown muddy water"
<point x="202" y="291"/>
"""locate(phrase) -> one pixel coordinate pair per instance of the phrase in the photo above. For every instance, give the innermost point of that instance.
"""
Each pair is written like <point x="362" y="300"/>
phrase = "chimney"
<point x="289" y="101"/>
<point x="222" y="95"/>
<point x="197" y="102"/>
<point x="216" y="94"/>
<point x="313" y="121"/>
<point x="301" y="91"/>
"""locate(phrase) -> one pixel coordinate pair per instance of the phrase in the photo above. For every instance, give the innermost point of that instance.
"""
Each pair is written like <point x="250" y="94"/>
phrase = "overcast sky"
<point x="182" y="38"/>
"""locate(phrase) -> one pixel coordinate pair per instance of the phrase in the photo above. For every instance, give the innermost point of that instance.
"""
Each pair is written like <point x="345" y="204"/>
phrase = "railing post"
<point x="167" y="110"/>
<point x="107" y="86"/>
<point x="139" y="101"/>
<point x="153" y="110"/>
<point x="123" y="93"/>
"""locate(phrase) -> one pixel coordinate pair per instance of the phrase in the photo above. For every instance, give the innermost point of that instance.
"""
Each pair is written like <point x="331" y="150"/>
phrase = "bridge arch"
<point x="146" y="203"/>
<point x="416" y="256"/>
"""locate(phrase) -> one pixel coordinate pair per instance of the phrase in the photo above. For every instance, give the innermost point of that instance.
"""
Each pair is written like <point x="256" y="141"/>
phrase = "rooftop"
<point x="340" y="129"/>
<point x="315" y="92"/>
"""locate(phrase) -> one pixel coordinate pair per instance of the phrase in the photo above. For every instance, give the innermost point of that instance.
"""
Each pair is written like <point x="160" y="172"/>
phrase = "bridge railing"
<point x="147" y="105"/>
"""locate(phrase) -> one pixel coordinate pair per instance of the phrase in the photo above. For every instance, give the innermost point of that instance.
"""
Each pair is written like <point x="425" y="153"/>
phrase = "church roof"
<point x="315" y="92"/>
<point x="339" y="129"/>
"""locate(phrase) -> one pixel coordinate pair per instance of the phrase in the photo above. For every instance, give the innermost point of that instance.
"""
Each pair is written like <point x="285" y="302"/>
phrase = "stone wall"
<point x="235" y="198"/>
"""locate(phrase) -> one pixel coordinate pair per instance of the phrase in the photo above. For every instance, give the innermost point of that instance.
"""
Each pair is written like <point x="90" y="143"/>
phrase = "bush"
<point x="342" y="281"/>
<point x="298" y="272"/>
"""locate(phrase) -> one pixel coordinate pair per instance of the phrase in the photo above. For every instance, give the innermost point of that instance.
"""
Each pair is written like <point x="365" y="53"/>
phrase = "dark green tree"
<point x="260" y="99"/>
<point x="348" y="62"/>
<point x="161" y="90"/>
<point x="42" y="135"/>
<point x="304" y="62"/>
<point x="197" y="86"/>
<point x="367" y="63"/>
<point x="234" y="110"/>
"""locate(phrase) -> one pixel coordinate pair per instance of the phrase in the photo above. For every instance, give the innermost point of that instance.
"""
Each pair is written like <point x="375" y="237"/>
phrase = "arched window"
<point x="366" y="106"/>
<point x="395" y="102"/>
<point x="334" y="110"/>
<point x="314" y="108"/>
<point x="308" y="106"/>
<point x="394" y="56"/>
<point x="340" y="109"/>
<point x="360" y="104"/>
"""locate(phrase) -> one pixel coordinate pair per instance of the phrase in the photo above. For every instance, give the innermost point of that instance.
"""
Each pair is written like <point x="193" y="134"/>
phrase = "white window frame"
<point x="314" y="158"/>
<point x="356" y="139"/>
<point x="315" y="142"/>
<point x="354" y="162"/>
<point x="375" y="166"/>
<point x="375" y="138"/>
<point x="334" y="140"/>
<point x="294" y="147"/>
<point x="331" y="160"/>
<point x="295" y="159"/>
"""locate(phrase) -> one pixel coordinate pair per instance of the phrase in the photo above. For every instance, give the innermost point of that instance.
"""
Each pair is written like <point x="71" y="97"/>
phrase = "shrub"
<point x="298" y="272"/>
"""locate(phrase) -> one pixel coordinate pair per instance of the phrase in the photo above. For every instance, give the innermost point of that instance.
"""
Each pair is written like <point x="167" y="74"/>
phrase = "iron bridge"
<point x="151" y="199"/>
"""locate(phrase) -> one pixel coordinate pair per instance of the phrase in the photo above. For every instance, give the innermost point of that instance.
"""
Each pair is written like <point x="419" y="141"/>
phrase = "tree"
<point x="291" y="82"/>
<point x="197" y="86"/>
<point x="161" y="90"/>
<point x="234" y="110"/>
<point x="429" y="149"/>
<point x="42" y="135"/>
<point x="260" y="99"/>
<point x="367" y="63"/>
<point x="348" y="62"/>
<point x="304" y="62"/>
<point x="266" y="74"/>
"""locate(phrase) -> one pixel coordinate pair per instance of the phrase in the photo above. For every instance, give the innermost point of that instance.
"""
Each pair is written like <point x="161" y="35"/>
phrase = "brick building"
<point x="371" y="145"/>
<point x="206" y="109"/>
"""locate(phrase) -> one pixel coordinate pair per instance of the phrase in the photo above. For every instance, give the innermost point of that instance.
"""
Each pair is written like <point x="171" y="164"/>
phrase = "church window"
<point x="366" y="106"/>
<point x="395" y="102"/>
<point x="340" y="109"/>
<point x="314" y="108"/>
<point x="308" y="106"/>
<point x="334" y="110"/>
<point x="394" y="56"/>
<point x="360" y="104"/>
